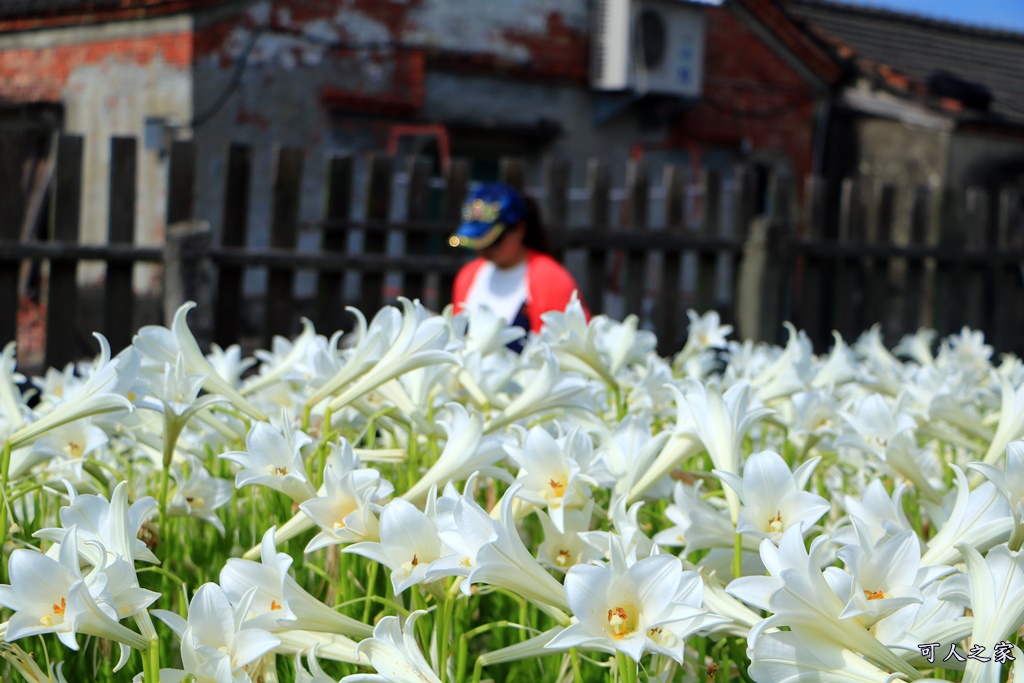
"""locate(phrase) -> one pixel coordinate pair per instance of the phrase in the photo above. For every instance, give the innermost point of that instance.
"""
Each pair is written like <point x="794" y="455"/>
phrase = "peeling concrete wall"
<point x="333" y="76"/>
<point x="108" y="79"/>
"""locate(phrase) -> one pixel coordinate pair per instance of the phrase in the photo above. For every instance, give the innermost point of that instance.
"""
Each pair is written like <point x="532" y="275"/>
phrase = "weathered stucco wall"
<point x="334" y="77"/>
<point x="108" y="79"/>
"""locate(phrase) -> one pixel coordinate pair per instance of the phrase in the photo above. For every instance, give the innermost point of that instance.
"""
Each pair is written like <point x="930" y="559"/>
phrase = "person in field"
<point x="514" y="274"/>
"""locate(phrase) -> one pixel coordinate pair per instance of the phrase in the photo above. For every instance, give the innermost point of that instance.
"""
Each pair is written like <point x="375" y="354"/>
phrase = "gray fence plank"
<point x="710" y="225"/>
<point x="62" y="299"/>
<point x="414" y="285"/>
<point x="12" y="206"/>
<point x="598" y="187"/>
<point x="668" y="311"/>
<point x="279" y="315"/>
<point x="377" y="201"/>
<point x="119" y="298"/>
<point x="634" y="271"/>
<point x="330" y="314"/>
<point x="234" y="229"/>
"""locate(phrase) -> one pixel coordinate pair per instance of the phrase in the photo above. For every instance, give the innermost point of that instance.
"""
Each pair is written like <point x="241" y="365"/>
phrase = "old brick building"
<point x="479" y="79"/>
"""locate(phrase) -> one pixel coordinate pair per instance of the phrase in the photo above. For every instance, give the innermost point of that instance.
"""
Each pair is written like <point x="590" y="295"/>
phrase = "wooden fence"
<point x="823" y="267"/>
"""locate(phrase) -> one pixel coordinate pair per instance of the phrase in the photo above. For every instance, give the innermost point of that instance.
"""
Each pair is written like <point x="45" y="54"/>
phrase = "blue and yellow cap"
<point x="488" y="210"/>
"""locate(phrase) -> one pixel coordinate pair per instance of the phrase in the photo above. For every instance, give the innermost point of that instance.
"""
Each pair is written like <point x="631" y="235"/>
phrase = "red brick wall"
<point x="39" y="75"/>
<point x="750" y="96"/>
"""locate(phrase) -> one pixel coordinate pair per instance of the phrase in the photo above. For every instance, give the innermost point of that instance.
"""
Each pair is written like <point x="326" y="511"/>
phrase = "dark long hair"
<point x="536" y="237"/>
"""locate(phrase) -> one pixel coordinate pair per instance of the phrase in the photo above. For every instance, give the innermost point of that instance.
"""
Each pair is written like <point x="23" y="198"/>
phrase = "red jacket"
<point x="549" y="286"/>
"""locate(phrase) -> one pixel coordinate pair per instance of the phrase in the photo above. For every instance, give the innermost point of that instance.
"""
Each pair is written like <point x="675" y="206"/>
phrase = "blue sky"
<point x="1002" y="14"/>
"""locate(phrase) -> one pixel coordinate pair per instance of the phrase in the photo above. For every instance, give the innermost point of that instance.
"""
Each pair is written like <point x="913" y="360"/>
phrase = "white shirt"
<point x="503" y="290"/>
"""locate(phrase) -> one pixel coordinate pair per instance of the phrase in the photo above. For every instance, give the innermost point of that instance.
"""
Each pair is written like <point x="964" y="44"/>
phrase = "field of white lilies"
<point x="413" y="502"/>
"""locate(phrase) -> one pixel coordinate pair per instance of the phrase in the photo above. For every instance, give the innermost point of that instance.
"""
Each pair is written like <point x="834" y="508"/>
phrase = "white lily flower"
<point x="163" y="346"/>
<point x="199" y="495"/>
<point x="1011" y="420"/>
<point x="552" y="471"/>
<point x="215" y="648"/>
<point x="696" y="523"/>
<point x="395" y="654"/>
<point x="884" y="369"/>
<point x="981" y="516"/>
<point x="469" y="528"/>
<point x="626" y="536"/>
<point x="650" y="606"/>
<point x="51" y="595"/>
<point x="788" y="657"/>
<point x="485" y="331"/>
<point x="409" y="542"/>
<point x="773" y="497"/>
<point x="544" y="389"/>
<point x="876" y="424"/>
<point x="628" y="452"/>
<point x="13" y="410"/>
<point x="918" y="346"/>
<point x="314" y="674"/>
<point x="704" y="332"/>
<point x="421" y="341"/>
<point x="881" y="578"/>
<point x="1010" y="482"/>
<point x="561" y="550"/>
<point x="466" y="450"/>
<point x="507" y="563"/>
<point x="344" y="513"/>
<point x="96" y="396"/>
<point x="25" y="664"/>
<point x="111" y="526"/>
<point x="995" y="584"/>
<point x="802" y="598"/>
<point x="279" y="602"/>
<point x="274" y="459"/>
<point x="69" y="445"/>
<point x="881" y="515"/>
<point x="720" y="421"/>
<point x="279" y="362"/>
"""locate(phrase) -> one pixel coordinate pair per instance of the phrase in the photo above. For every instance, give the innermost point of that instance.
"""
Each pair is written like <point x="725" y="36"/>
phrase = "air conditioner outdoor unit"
<point x="647" y="46"/>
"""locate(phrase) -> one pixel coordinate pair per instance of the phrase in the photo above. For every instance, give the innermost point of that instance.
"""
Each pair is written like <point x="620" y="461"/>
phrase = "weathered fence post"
<point x="667" y="308"/>
<point x="950" y="269"/>
<point x="556" y="203"/>
<point x="377" y="201"/>
<point x="512" y="171"/>
<point x="761" y="297"/>
<point x="848" y="302"/>
<point x="880" y="271"/>
<point x="330" y="314"/>
<point x="119" y="298"/>
<point x="634" y="272"/>
<point x="598" y="186"/>
<point x="455" y="187"/>
<point x="284" y="234"/>
<point x="977" y="283"/>
<point x="417" y="238"/>
<point x="1009" y="313"/>
<point x="809" y="298"/>
<point x="228" y="321"/>
<point x="12" y="200"/>
<point x="62" y="298"/>
<point x="188" y="276"/>
<point x="181" y="181"/>
<point x="710" y="225"/>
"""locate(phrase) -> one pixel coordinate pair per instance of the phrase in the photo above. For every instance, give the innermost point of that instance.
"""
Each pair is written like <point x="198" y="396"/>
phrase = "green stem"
<point x="577" y="672"/>
<point x="737" y="556"/>
<point x="5" y="469"/>
<point x="627" y="668"/>
<point x="443" y="628"/>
